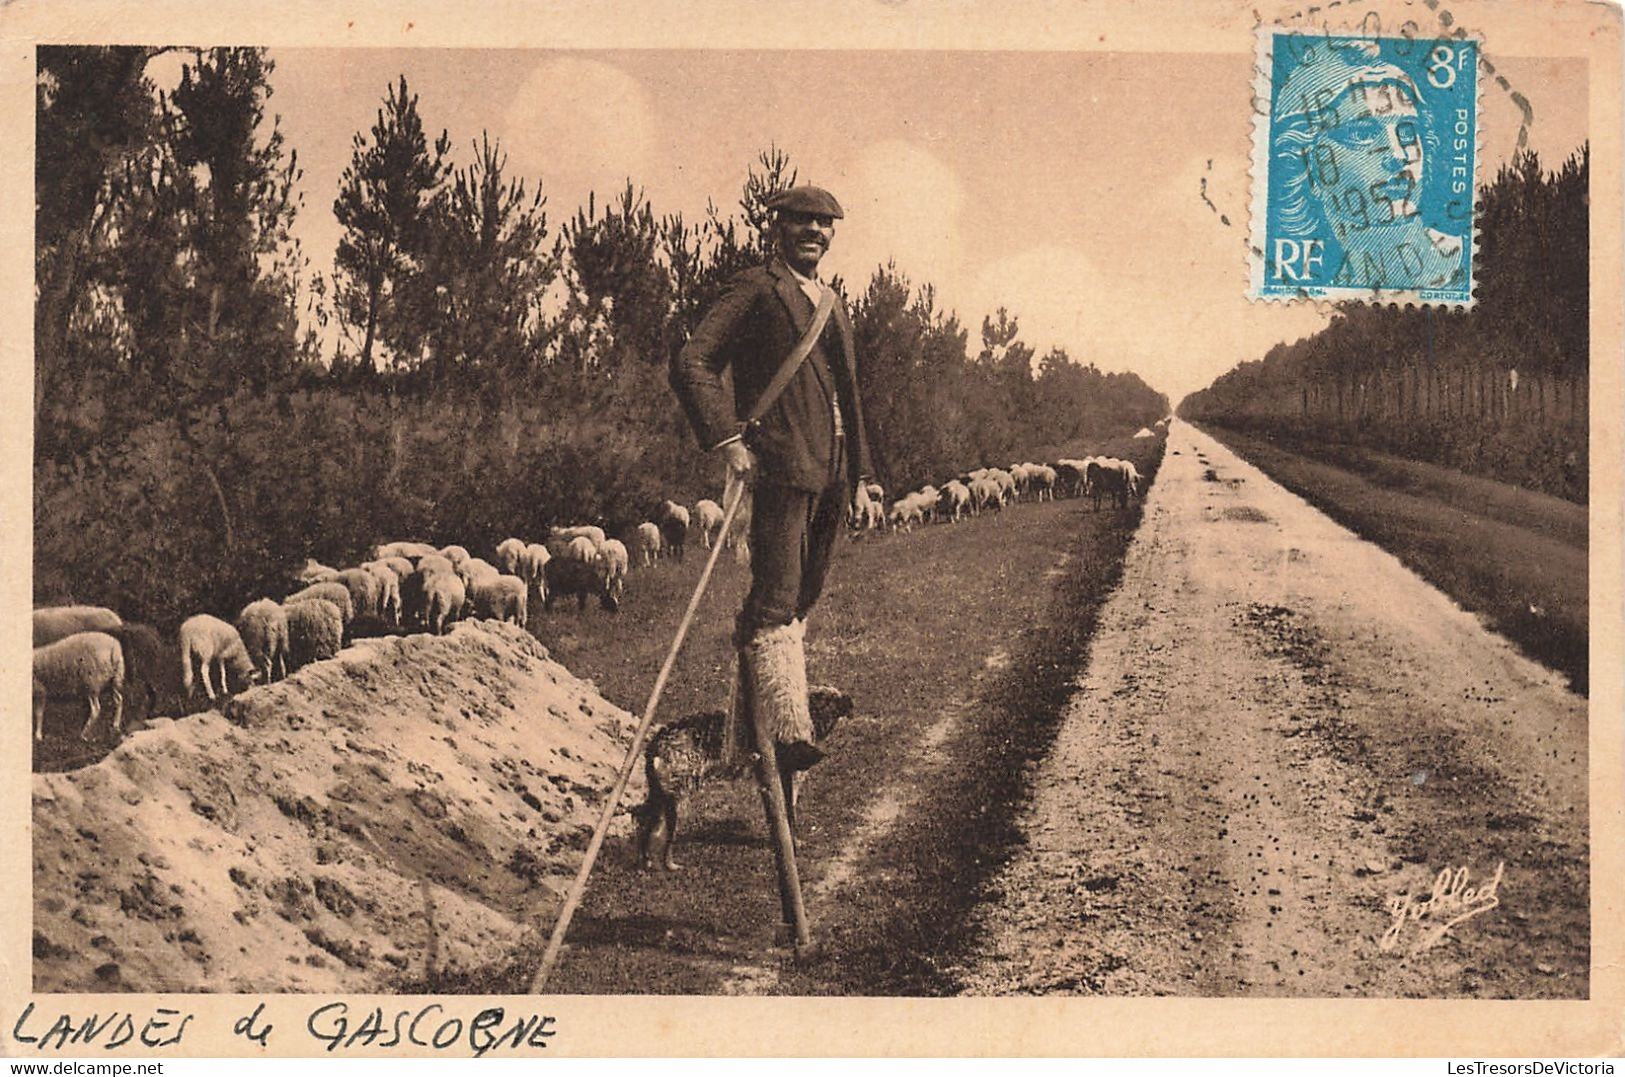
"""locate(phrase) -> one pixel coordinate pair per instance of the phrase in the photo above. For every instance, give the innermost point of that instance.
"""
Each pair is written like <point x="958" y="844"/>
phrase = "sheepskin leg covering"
<point x="777" y="674"/>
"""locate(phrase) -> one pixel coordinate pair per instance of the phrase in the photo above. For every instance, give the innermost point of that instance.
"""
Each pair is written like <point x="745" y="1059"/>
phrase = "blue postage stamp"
<point x="1364" y="168"/>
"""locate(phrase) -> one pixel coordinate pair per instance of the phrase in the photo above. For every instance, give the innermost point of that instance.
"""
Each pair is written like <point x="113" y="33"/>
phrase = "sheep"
<point x="414" y="600"/>
<point x="455" y="554"/>
<point x="571" y="576"/>
<point x="80" y="666"/>
<point x="986" y="494"/>
<point x="149" y="668"/>
<point x="581" y="548"/>
<point x="500" y="598"/>
<point x="334" y="592"/>
<point x="614" y="555"/>
<point x="1042" y="480"/>
<point x="208" y="642"/>
<point x="672" y="519"/>
<point x="366" y="594"/>
<point x="313" y="571"/>
<point x="510" y="552"/>
<point x="1109" y="476"/>
<point x="263" y="627"/>
<point x="954" y="500"/>
<point x="412" y="551"/>
<point x="560" y="537"/>
<point x="647" y="542"/>
<point x="707" y="520"/>
<point x="533" y="563"/>
<point x="877" y="492"/>
<point x="401" y="567"/>
<point x="444" y="596"/>
<point x="59" y="622"/>
<point x="389" y="596"/>
<point x="315" y="631"/>
<point x="1071" y="477"/>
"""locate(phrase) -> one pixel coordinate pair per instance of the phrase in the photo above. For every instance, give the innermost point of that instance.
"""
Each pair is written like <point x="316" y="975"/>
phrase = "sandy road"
<point x="1280" y="732"/>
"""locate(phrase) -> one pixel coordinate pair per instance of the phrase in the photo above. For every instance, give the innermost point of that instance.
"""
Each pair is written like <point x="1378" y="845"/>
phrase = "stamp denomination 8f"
<point x="1364" y="168"/>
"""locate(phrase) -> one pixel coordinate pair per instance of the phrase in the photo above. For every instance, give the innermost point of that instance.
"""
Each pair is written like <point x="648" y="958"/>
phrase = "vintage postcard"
<point x="813" y="529"/>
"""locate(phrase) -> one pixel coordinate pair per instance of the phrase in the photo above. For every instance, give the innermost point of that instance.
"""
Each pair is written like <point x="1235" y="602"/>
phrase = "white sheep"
<point x="263" y="627"/>
<point x="565" y="534"/>
<point x="208" y="642"/>
<point x="332" y="591"/>
<point x="444" y="597"/>
<point x="412" y="551"/>
<point x="617" y="562"/>
<point x="366" y="592"/>
<point x="672" y="519"/>
<point x="315" y="631"/>
<point x="707" y="520"/>
<point x="510" y="553"/>
<point x="501" y="598"/>
<point x="389" y="589"/>
<point x="59" y="622"/>
<point x="646" y="540"/>
<point x="534" y="564"/>
<point x="313" y="571"/>
<point x="455" y="554"/>
<point x="581" y="548"/>
<point x="80" y="666"/>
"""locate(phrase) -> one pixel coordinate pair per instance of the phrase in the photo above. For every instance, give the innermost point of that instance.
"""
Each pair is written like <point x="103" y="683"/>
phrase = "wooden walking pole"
<point x="551" y="956"/>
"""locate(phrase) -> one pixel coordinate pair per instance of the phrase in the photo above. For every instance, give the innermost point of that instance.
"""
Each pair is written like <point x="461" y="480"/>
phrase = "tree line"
<point x="210" y="410"/>
<point x="1500" y="389"/>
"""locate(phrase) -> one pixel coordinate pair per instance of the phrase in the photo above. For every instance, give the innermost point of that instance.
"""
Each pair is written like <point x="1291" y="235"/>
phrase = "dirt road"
<point x="1281" y="740"/>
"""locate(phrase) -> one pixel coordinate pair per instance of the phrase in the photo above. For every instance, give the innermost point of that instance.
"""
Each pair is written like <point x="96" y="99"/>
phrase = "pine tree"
<point x="384" y="199"/>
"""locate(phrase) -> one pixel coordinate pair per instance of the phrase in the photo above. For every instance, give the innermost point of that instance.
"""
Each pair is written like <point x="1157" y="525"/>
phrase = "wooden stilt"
<point x="791" y="906"/>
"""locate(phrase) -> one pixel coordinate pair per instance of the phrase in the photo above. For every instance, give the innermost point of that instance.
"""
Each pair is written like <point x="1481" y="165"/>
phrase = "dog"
<point x="686" y="753"/>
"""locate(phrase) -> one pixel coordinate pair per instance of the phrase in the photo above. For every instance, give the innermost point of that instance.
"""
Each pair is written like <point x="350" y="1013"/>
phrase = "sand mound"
<point x="403" y="817"/>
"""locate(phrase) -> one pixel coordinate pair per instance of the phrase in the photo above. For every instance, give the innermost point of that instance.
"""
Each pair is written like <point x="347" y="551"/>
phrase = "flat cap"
<point x="813" y="200"/>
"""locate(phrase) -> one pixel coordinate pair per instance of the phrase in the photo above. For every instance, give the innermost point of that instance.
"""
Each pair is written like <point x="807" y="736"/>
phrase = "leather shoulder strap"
<point x="797" y="356"/>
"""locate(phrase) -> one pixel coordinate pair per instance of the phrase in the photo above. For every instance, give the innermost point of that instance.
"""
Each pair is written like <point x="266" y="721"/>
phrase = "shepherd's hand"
<point x="740" y="461"/>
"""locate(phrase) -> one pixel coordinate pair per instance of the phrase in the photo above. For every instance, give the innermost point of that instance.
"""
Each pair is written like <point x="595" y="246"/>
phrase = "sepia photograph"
<point x="825" y="529"/>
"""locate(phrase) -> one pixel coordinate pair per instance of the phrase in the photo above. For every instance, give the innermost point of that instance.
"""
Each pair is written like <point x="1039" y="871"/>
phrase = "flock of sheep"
<point x="84" y="652"/>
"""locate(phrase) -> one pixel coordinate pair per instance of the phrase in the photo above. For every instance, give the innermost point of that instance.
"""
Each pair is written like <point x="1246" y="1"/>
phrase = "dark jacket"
<point x="751" y="330"/>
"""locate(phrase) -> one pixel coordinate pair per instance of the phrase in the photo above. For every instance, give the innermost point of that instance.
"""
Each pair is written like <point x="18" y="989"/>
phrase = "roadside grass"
<point x="959" y="644"/>
<point x="1515" y="557"/>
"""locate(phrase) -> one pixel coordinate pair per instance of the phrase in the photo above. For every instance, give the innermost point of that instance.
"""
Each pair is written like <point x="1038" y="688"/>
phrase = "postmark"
<point x="1364" y="168"/>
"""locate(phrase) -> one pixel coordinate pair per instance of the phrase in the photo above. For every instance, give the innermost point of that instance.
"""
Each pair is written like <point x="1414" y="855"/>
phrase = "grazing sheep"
<point x="59" y="622"/>
<point x="985" y="494"/>
<point x="672" y="519"/>
<point x="954" y="500"/>
<point x="80" y="666"/>
<point x="263" y="627"/>
<point x="618" y="562"/>
<point x="500" y="598"/>
<point x="570" y="576"/>
<point x="565" y="534"/>
<point x="646" y="542"/>
<point x="313" y="572"/>
<point x="1042" y="480"/>
<point x="208" y="642"/>
<point x="315" y="631"/>
<point x="390" y="572"/>
<point x="533" y="563"/>
<point x="510" y="554"/>
<point x="401" y="567"/>
<point x="707" y="520"/>
<point x="412" y="551"/>
<point x="149" y="668"/>
<point x="580" y="548"/>
<point x="455" y="554"/>
<point x="366" y="592"/>
<point x="334" y="592"/>
<point x="444" y="597"/>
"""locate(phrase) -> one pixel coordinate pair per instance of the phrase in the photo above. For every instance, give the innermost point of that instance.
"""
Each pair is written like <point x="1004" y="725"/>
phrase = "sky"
<point x="1102" y="197"/>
